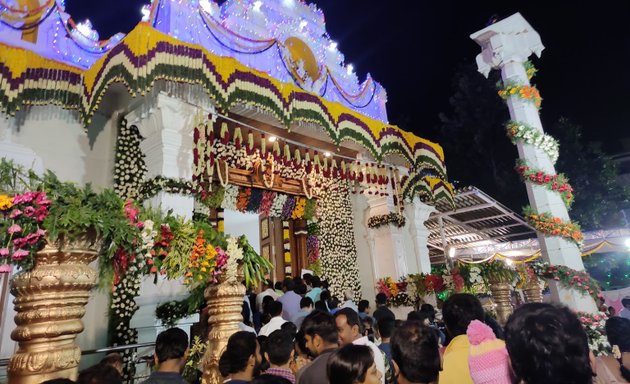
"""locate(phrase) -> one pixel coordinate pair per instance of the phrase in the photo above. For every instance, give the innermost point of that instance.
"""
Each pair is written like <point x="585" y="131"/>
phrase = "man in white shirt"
<point x="275" y="309"/>
<point x="625" y="311"/>
<point x="268" y="290"/>
<point x="349" y="328"/>
<point x="348" y="296"/>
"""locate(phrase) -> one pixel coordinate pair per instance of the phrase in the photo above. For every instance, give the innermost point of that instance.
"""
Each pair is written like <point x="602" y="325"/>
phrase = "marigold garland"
<point x="558" y="183"/>
<point x="525" y="92"/>
<point x="554" y="226"/>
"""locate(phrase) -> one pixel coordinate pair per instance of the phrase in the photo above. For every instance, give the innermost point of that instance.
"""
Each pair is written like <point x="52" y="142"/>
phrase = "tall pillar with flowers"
<point x="506" y="46"/>
<point x="165" y="125"/>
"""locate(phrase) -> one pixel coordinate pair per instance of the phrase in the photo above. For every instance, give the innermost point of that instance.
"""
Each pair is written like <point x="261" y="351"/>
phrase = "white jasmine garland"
<point x="518" y="131"/>
<point x="230" y="197"/>
<point x="235" y="254"/>
<point x="278" y="203"/>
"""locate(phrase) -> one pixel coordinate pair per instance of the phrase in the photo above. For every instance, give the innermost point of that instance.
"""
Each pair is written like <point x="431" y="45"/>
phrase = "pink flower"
<point x="42" y="200"/>
<point x="19" y="255"/>
<point x="4" y="252"/>
<point x="29" y="211"/>
<point x="40" y="213"/>
<point x="14" y="229"/>
<point x="131" y="212"/>
<point x="5" y="268"/>
<point x="479" y="332"/>
<point x="15" y="213"/>
<point x="19" y="242"/>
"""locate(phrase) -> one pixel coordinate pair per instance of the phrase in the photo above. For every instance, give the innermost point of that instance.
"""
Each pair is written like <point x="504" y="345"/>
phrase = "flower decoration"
<point x="300" y="206"/>
<point x="595" y="327"/>
<point x="394" y="218"/>
<point x="525" y="92"/>
<point x="518" y="131"/>
<point x="554" y="226"/>
<point x="129" y="165"/>
<point x="530" y="69"/>
<point x="21" y="228"/>
<point x="230" y="197"/>
<point x="569" y="278"/>
<point x="558" y="183"/>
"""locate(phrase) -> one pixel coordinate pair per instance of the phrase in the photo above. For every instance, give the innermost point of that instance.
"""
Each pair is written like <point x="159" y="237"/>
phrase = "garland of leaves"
<point x="153" y="186"/>
<point x="525" y="92"/>
<point x="518" y="131"/>
<point x="558" y="183"/>
<point x="394" y="218"/>
<point x="554" y="226"/>
<point x="530" y="69"/>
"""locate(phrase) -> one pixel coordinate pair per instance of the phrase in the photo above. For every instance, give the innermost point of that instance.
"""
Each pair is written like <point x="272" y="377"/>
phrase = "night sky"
<point x="414" y="47"/>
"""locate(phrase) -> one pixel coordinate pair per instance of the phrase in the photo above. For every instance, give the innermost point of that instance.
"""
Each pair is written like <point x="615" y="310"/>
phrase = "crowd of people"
<point x="296" y="332"/>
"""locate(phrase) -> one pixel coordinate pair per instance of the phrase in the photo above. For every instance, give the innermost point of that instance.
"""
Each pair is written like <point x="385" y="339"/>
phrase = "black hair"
<point x="267" y="283"/>
<point x="414" y="316"/>
<point x="269" y="379"/>
<point x="324" y="296"/>
<point x="288" y="326"/>
<point x="321" y="306"/>
<point x="316" y="282"/>
<point x="307" y="278"/>
<point x="278" y="285"/>
<point x="386" y="327"/>
<point x="547" y="344"/>
<point x="100" y="374"/>
<point x="625" y="301"/>
<point x="240" y="347"/>
<point x="349" y="364"/>
<point x="415" y="351"/>
<point x="363" y="305"/>
<point x="275" y="308"/>
<point x="266" y="301"/>
<point x="300" y="343"/>
<point x="306" y="302"/>
<point x="428" y="308"/>
<point x="352" y="318"/>
<point x="58" y="381"/>
<point x="459" y="310"/>
<point x="381" y="299"/>
<point x="618" y="332"/>
<point x="279" y="346"/>
<point x="288" y="284"/>
<point x="321" y="324"/>
<point x="171" y="344"/>
<point x="300" y="289"/>
<point x="245" y="312"/>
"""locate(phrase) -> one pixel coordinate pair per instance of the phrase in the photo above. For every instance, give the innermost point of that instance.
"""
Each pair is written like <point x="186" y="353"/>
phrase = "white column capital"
<point x="512" y="39"/>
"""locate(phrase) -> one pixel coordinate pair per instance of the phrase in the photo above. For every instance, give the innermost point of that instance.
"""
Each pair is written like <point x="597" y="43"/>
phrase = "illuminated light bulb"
<point x="85" y="27"/>
<point x="509" y="262"/>
<point x="205" y="5"/>
<point x="257" y="5"/>
<point x="303" y="24"/>
<point x="272" y="139"/>
<point x="288" y="3"/>
<point x="332" y="46"/>
<point x="327" y="154"/>
<point x="451" y="252"/>
<point x="349" y="69"/>
<point x="145" y="10"/>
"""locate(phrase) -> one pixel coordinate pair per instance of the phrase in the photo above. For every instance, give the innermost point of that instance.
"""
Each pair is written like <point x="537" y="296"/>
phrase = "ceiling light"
<point x="272" y="139"/>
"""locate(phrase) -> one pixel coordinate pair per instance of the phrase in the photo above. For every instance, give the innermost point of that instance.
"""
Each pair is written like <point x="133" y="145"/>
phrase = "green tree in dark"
<point x="599" y="198"/>
<point x="472" y="133"/>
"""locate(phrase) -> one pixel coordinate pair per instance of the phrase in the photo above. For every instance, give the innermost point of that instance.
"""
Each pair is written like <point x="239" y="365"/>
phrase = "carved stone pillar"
<point x="506" y="45"/>
<point x="386" y="242"/>
<point x="418" y="213"/>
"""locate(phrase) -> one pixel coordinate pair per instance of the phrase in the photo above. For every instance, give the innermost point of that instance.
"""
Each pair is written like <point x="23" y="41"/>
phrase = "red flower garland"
<point x="558" y="183"/>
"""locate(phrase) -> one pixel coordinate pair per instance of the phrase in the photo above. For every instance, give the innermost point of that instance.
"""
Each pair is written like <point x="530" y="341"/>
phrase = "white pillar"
<point x="166" y="127"/>
<point x="386" y="242"/>
<point x="506" y="45"/>
<point x="417" y="212"/>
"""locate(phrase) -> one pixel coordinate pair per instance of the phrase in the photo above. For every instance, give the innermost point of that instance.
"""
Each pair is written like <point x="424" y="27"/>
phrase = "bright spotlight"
<point x="272" y="139"/>
<point x="257" y="5"/>
<point x="327" y="154"/>
<point x="332" y="46"/>
<point x="350" y="68"/>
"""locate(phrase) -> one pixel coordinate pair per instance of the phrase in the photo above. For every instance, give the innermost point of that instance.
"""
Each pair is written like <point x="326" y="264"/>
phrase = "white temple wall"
<point x="52" y="138"/>
<point x="367" y="272"/>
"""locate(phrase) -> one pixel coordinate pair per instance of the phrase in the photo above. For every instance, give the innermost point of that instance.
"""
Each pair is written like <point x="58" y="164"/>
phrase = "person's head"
<point x="348" y="294"/>
<point x="316" y="282"/>
<point x="279" y="348"/>
<point x="547" y="344"/>
<point x="626" y="302"/>
<point x="266" y="284"/>
<point x="459" y="310"/>
<point x="115" y="360"/>
<point x="352" y="364"/>
<point x="288" y="326"/>
<point x="381" y="299"/>
<point x="58" y="381"/>
<point x="275" y="308"/>
<point x="307" y="278"/>
<point x="349" y="326"/>
<point x="300" y="289"/>
<point x="320" y="332"/>
<point x="415" y="354"/>
<point x="269" y="379"/>
<point x="429" y="310"/>
<point x="321" y="306"/>
<point x="278" y="286"/>
<point x="386" y="328"/>
<point x="245" y="313"/>
<point x="306" y="303"/>
<point x="100" y="374"/>
<point x="368" y="329"/>
<point x="171" y="349"/>
<point x="325" y="296"/>
<point x="266" y="303"/>
<point x="488" y="360"/>
<point x="241" y="355"/>
<point x="288" y="284"/>
<point x="364" y="306"/>
<point x="612" y="311"/>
